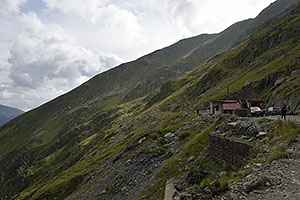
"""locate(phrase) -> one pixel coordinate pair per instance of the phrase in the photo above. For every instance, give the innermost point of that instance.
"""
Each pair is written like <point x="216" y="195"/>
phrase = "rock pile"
<point x="240" y="127"/>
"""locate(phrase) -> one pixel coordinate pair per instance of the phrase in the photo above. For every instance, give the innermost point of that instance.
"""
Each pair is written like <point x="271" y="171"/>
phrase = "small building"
<point x="219" y="107"/>
<point x="252" y="103"/>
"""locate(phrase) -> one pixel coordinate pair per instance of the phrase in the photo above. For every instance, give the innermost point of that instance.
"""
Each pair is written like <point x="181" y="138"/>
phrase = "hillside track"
<point x="294" y="118"/>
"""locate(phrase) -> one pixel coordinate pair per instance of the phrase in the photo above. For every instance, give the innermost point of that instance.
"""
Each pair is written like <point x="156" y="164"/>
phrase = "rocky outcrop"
<point x="273" y="90"/>
<point x="127" y="180"/>
<point x="254" y="90"/>
<point x="239" y="127"/>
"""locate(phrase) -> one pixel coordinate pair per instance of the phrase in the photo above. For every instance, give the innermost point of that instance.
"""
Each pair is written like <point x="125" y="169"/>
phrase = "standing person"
<point x="283" y="112"/>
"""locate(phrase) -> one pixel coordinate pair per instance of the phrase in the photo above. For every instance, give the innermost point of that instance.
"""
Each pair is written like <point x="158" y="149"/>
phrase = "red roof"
<point x="231" y="106"/>
<point x="225" y="101"/>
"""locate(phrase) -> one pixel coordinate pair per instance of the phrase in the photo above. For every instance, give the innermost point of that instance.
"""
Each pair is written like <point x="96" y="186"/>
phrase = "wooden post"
<point x="227" y="95"/>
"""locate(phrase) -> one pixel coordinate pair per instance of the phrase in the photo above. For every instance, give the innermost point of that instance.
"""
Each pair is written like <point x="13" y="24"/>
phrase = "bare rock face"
<point x="170" y="190"/>
<point x="273" y="82"/>
<point x="293" y="100"/>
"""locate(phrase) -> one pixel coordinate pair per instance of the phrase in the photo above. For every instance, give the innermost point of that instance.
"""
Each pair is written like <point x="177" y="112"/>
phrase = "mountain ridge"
<point x="8" y="113"/>
<point x="86" y="136"/>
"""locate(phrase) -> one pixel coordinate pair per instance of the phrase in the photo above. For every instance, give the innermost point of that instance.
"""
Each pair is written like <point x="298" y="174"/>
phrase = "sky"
<point x="48" y="47"/>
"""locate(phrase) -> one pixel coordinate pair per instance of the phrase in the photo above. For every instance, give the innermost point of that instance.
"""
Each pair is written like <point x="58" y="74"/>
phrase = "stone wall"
<point x="230" y="151"/>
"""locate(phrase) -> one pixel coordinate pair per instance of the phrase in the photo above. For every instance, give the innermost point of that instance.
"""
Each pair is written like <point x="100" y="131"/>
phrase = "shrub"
<point x="195" y="176"/>
<point x="154" y="136"/>
<point x="278" y="154"/>
<point x="184" y="135"/>
<point x="206" y="182"/>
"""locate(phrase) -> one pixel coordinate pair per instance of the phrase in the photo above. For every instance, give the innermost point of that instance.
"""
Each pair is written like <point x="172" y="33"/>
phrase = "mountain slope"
<point x="8" y="113"/>
<point x="108" y="138"/>
<point x="264" y="66"/>
<point x="235" y="34"/>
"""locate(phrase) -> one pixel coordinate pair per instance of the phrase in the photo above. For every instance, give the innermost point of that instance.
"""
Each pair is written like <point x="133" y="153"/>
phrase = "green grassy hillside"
<point x="111" y="138"/>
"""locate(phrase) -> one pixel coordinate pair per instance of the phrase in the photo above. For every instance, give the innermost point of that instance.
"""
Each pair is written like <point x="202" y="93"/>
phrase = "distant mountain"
<point x="125" y="132"/>
<point x="8" y="113"/>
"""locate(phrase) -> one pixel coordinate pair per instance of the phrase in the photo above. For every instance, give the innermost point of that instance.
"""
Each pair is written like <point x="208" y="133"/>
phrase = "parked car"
<point x="256" y="112"/>
<point x="273" y="111"/>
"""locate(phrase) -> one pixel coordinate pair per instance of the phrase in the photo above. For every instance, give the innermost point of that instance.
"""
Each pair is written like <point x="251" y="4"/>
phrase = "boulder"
<point x="255" y="183"/>
<point x="241" y="127"/>
<point x="170" y="190"/>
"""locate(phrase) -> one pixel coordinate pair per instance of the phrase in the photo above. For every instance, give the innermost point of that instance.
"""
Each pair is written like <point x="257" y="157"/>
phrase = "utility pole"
<point x="227" y="95"/>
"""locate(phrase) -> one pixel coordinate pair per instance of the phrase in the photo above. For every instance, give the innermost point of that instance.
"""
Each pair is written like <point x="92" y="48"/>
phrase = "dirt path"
<point x="283" y="176"/>
<point x="294" y="118"/>
<point x="278" y="180"/>
<point x="284" y="180"/>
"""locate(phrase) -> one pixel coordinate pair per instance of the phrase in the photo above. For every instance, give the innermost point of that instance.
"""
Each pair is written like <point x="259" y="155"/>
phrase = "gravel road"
<point x="294" y="118"/>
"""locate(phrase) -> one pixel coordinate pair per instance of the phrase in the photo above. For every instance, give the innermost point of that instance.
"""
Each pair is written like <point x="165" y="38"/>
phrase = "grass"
<point x="286" y="132"/>
<point x="225" y="180"/>
<point x="279" y="153"/>
<point x="88" y="140"/>
<point x="206" y="182"/>
<point x="168" y="170"/>
<point x="283" y="133"/>
<point x="199" y="142"/>
<point x="195" y="176"/>
<point x="182" y="136"/>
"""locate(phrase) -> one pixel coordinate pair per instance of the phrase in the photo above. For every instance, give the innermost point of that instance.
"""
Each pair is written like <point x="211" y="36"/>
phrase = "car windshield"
<point x="255" y="109"/>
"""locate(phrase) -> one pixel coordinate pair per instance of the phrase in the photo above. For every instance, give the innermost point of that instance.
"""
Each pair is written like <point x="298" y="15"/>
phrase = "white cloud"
<point x="88" y="9"/>
<point x="45" y="58"/>
<point x="104" y="26"/>
<point x="192" y="17"/>
<point x="182" y="14"/>
<point x="8" y="6"/>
